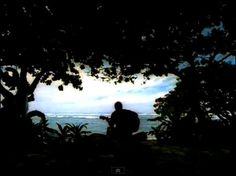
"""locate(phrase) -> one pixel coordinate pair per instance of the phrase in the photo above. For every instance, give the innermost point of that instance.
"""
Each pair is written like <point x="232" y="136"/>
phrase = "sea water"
<point x="94" y="123"/>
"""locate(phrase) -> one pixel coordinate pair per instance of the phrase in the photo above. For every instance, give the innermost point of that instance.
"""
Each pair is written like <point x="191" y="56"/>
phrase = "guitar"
<point x="107" y="119"/>
<point x="103" y="117"/>
<point x="110" y="128"/>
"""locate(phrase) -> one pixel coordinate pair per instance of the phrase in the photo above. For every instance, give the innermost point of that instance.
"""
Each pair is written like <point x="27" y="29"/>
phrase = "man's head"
<point x="118" y="105"/>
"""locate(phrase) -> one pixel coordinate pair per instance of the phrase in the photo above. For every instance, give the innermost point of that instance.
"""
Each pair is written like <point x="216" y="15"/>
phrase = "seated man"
<point x="123" y="123"/>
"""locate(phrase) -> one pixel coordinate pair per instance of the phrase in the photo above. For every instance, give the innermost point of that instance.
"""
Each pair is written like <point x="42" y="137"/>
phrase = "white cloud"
<point x="98" y="96"/>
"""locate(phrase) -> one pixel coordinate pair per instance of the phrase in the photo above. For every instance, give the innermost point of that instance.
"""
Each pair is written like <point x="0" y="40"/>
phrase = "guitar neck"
<point x="105" y="118"/>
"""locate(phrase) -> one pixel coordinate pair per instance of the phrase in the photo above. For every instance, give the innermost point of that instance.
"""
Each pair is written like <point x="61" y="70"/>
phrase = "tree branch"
<point x="4" y="91"/>
<point x="35" y="82"/>
<point x="212" y="58"/>
<point x="14" y="71"/>
<point x="23" y="74"/>
<point x="225" y="57"/>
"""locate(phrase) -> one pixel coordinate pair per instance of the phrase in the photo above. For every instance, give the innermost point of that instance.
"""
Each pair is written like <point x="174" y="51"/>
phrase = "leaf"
<point x="82" y="67"/>
<point x="59" y="127"/>
<point x="48" y="82"/>
<point x="60" y="88"/>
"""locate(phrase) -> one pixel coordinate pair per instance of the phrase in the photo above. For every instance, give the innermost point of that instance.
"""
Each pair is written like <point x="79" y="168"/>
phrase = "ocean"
<point x="95" y="124"/>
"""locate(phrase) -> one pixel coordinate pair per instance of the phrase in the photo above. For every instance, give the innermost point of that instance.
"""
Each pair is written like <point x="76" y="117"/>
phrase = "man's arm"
<point x="109" y="121"/>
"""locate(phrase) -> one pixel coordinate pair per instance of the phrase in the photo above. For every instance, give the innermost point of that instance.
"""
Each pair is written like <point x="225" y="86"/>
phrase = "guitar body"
<point x="124" y="123"/>
<point x="133" y="124"/>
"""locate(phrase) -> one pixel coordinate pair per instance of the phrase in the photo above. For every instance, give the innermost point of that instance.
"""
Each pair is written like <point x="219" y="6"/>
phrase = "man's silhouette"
<point x="123" y="123"/>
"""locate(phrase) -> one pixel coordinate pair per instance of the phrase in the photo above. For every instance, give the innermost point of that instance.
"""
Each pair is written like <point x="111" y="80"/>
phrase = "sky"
<point x="98" y="97"/>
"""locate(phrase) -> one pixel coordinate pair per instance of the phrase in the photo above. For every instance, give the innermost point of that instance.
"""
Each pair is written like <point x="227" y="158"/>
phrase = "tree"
<point x="34" y="42"/>
<point x="201" y="107"/>
<point x="50" y="40"/>
<point x="201" y="47"/>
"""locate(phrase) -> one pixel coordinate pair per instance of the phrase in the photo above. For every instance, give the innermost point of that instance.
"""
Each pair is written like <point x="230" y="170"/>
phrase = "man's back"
<point x="125" y="121"/>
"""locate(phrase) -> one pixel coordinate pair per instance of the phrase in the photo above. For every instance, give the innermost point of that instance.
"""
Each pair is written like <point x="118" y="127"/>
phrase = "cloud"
<point x="98" y="96"/>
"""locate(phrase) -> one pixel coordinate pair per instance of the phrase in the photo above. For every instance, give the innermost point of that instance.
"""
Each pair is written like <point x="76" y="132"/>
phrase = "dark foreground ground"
<point x="99" y="157"/>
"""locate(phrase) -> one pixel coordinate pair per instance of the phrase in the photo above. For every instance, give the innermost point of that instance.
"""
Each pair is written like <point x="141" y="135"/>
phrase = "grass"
<point x="99" y="158"/>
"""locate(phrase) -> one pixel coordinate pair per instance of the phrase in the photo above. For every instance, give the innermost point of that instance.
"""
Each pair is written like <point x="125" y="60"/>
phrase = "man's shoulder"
<point x="130" y="112"/>
<point x="114" y="113"/>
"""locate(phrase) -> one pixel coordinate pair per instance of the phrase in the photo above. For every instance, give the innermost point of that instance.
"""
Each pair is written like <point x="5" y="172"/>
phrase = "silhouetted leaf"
<point x="60" y="87"/>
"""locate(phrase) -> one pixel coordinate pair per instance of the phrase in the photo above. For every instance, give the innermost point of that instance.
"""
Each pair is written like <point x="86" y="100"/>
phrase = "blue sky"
<point x="98" y="97"/>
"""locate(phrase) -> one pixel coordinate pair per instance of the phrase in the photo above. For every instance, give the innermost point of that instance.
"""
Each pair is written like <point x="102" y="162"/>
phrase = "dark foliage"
<point x="201" y="107"/>
<point x="53" y="40"/>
